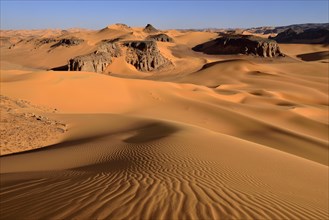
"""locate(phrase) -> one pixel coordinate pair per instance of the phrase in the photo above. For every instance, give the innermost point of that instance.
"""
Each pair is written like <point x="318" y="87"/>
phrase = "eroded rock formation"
<point x="90" y="63"/>
<point x="150" y="29"/>
<point x="241" y="44"/>
<point x="145" y="55"/>
<point x="160" y="37"/>
<point x="97" y="61"/>
<point x="109" y="46"/>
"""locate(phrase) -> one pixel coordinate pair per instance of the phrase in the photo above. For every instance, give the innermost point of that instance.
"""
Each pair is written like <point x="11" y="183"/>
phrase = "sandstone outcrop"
<point x="110" y="47"/>
<point x="97" y="61"/>
<point x="90" y="63"/>
<point x="241" y="44"/>
<point x="145" y="55"/>
<point x="150" y="29"/>
<point x="160" y="37"/>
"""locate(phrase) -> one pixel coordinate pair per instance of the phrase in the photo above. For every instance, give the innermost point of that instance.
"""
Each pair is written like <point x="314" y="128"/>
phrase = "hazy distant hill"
<point x="295" y="27"/>
<point x="269" y="29"/>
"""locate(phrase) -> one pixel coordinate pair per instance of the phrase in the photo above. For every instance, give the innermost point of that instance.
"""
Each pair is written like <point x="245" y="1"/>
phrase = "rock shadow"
<point x="60" y="68"/>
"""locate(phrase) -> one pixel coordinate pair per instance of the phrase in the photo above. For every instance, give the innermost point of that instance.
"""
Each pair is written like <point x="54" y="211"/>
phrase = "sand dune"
<point x="211" y="137"/>
<point x="171" y="101"/>
<point x="146" y="169"/>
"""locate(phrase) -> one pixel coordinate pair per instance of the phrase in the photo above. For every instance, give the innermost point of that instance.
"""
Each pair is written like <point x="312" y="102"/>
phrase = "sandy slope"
<point x="24" y="126"/>
<point x="215" y="137"/>
<point x="140" y="168"/>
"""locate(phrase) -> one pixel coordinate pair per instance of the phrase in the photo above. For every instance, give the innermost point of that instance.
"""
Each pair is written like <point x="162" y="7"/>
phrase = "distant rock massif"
<point x="308" y="36"/>
<point x="145" y="55"/>
<point x="295" y="27"/>
<point x="241" y="44"/>
<point x="139" y="47"/>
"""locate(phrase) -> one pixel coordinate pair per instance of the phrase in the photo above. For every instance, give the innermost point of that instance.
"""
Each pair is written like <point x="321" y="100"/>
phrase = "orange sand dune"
<point x="199" y="106"/>
<point x="211" y="137"/>
<point x="140" y="168"/>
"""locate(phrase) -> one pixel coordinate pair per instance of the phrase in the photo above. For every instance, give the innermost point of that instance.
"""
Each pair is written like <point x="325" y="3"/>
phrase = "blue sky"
<point x="162" y="14"/>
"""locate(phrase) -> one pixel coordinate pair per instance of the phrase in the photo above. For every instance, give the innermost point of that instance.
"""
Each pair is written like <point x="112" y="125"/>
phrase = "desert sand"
<point x="210" y="137"/>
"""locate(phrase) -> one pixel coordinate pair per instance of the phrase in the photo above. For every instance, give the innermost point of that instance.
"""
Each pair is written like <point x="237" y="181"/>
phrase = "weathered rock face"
<point x="150" y="29"/>
<point x="308" y="36"/>
<point x="90" y="63"/>
<point x="160" y="37"/>
<point x="145" y="55"/>
<point x="110" y="47"/>
<point x="67" y="42"/>
<point x="97" y="61"/>
<point x="241" y="44"/>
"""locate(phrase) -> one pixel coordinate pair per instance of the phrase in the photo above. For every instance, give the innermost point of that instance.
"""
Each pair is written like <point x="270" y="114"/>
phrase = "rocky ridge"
<point x="96" y="61"/>
<point x="309" y="36"/>
<point x="143" y="55"/>
<point x="241" y="44"/>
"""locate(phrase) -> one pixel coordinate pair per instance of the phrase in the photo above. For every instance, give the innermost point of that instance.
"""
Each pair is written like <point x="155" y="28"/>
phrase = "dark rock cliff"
<point x="241" y="44"/>
<point x="309" y="36"/>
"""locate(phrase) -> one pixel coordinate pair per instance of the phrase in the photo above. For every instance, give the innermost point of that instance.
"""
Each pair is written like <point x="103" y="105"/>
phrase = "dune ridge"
<point x="211" y="137"/>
